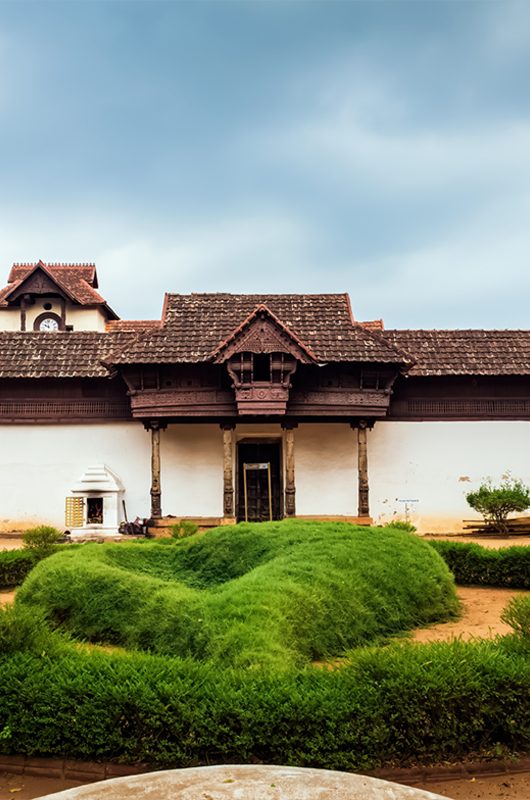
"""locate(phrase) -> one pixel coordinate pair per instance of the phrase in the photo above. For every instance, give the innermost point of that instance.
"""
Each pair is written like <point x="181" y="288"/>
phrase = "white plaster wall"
<point x="436" y="463"/>
<point x="82" y="319"/>
<point x="9" y="319"/>
<point x="191" y="470"/>
<point x="85" y="319"/>
<point x="32" y="312"/>
<point x="326" y="469"/>
<point x="40" y="463"/>
<point x="431" y="463"/>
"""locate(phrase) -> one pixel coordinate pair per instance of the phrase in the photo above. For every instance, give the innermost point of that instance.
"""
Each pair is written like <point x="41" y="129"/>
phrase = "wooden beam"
<point x="228" y="469"/>
<point x="290" y="482"/>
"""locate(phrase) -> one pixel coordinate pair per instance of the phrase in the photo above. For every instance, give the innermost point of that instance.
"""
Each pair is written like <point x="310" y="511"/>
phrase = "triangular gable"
<point x="38" y="281"/>
<point x="262" y="332"/>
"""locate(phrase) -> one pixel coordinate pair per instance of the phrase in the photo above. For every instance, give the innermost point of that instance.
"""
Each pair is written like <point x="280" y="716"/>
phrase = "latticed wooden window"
<point x="74" y="513"/>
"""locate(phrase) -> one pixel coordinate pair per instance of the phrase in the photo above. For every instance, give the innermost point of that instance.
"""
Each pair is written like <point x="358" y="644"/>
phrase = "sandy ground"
<point x="508" y="787"/>
<point x="482" y="607"/>
<point x="7" y="595"/>
<point x="10" y="543"/>
<point x="493" y="542"/>
<point x="25" y="787"/>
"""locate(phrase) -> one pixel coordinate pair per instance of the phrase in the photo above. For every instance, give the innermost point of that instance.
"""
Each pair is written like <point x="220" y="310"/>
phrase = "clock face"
<point x="49" y="324"/>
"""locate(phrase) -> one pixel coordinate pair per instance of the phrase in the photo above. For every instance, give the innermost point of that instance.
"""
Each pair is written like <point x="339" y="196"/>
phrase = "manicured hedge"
<point x="473" y="564"/>
<point x="396" y="705"/>
<point x="15" y="565"/>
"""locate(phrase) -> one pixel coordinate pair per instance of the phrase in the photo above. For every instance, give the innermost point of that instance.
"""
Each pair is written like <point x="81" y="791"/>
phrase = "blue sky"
<point x="380" y="148"/>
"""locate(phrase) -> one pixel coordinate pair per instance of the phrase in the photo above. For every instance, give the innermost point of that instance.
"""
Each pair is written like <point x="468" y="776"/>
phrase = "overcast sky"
<point x="380" y="148"/>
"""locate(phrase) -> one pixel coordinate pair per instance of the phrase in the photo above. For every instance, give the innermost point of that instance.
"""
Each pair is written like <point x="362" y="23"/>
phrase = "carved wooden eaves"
<point x="39" y="281"/>
<point x="263" y="332"/>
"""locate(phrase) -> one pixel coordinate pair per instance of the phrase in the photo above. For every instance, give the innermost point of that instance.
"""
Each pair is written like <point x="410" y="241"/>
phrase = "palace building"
<point x="234" y="407"/>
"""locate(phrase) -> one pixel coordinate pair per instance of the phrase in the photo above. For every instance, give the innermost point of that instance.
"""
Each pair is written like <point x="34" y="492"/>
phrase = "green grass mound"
<point x="270" y="594"/>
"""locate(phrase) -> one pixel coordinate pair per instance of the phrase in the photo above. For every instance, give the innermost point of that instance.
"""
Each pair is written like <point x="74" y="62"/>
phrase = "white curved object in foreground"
<point x="246" y="782"/>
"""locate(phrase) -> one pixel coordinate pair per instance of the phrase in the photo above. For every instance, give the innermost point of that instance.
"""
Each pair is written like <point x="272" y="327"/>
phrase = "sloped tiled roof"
<point x="85" y="271"/>
<point x="77" y="281"/>
<point x="464" y="352"/>
<point x="195" y="325"/>
<point x="132" y="324"/>
<point x="59" y="354"/>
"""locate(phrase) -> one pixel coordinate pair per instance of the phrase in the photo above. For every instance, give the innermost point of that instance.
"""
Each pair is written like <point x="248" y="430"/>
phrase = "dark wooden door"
<point x="254" y="453"/>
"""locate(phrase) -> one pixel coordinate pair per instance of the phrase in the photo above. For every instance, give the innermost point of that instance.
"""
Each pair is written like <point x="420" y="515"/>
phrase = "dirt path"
<point x="499" y="787"/>
<point x="482" y="607"/>
<point x="7" y="596"/>
<point x="11" y="542"/>
<point x="492" y="542"/>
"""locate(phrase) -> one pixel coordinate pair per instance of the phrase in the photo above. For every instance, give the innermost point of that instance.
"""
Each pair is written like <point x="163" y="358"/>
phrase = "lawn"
<point x="283" y="593"/>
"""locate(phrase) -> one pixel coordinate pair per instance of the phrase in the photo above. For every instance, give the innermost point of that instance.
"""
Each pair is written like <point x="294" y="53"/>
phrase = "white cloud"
<point x="407" y="161"/>
<point x="478" y="277"/>
<point x="137" y="264"/>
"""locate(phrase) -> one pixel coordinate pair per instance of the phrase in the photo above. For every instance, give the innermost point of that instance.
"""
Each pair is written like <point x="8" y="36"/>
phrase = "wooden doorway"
<point x="252" y="471"/>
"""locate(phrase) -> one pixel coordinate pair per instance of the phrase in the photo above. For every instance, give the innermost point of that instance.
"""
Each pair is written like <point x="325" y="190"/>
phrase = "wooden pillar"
<point x="156" y="495"/>
<point x="290" y="484"/>
<point x="23" y="314"/>
<point x="63" y="313"/>
<point x="362" y="467"/>
<point x="228" y="469"/>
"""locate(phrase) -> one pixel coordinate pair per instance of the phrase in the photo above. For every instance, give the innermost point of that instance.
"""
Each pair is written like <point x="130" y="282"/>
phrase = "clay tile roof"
<point x="77" y="281"/>
<point x="59" y="354"/>
<point x="132" y="324"/>
<point x="195" y="325"/>
<point x="464" y="352"/>
<point x="373" y="325"/>
<point x="85" y="271"/>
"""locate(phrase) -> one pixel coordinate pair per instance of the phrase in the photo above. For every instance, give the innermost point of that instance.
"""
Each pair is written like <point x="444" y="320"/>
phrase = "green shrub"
<point x="517" y="615"/>
<point x="473" y="564"/>
<point x="15" y="565"/>
<point x="43" y="537"/>
<point x="404" y="705"/>
<point x="25" y="630"/>
<point x="496" y="502"/>
<point x="401" y="525"/>
<point x="248" y="595"/>
<point x="183" y="528"/>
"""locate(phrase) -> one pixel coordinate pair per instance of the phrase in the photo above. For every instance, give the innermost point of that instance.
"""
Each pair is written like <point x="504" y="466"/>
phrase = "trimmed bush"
<point x="254" y="595"/>
<point x="517" y="615"/>
<point x="396" y="705"/>
<point x="43" y="537"/>
<point x="15" y="565"/>
<point x="473" y="564"/>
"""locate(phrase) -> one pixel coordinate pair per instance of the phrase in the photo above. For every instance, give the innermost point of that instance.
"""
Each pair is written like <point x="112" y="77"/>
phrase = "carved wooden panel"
<point x="462" y="408"/>
<point x="262" y="399"/>
<point x="52" y="409"/>
<point x="183" y="403"/>
<point x="263" y="335"/>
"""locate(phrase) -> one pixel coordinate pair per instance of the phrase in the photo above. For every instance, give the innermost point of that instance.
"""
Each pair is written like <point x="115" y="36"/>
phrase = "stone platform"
<point x="246" y="782"/>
